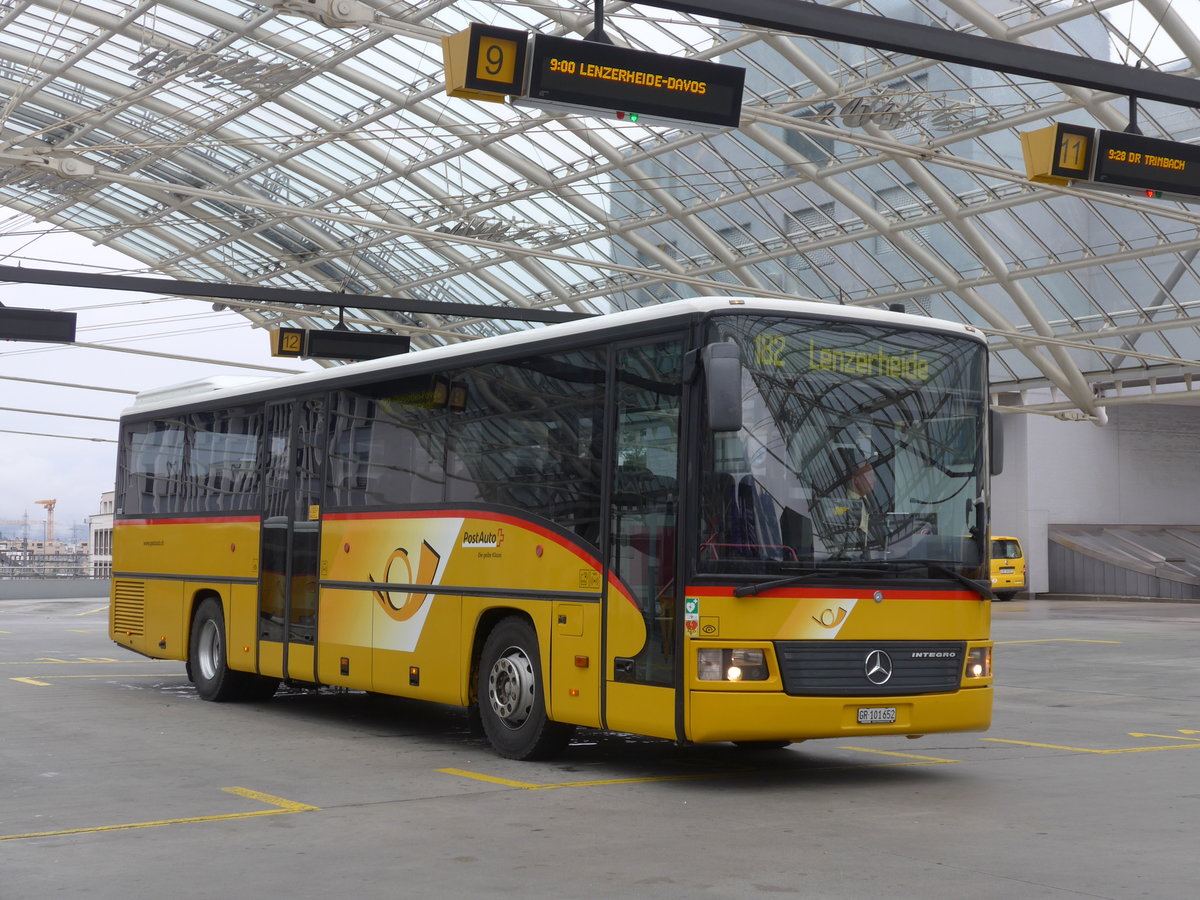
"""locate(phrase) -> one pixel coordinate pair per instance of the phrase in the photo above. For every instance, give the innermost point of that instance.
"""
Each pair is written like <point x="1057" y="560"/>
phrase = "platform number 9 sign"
<point x="496" y="60"/>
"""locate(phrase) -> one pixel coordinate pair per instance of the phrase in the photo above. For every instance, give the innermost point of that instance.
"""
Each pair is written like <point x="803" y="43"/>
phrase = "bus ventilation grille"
<point x="129" y="607"/>
<point x="870" y="668"/>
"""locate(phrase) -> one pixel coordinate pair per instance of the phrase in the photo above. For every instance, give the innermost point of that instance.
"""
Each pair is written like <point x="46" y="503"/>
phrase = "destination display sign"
<point x="1066" y="154"/>
<point x="633" y="83"/>
<point x="312" y="344"/>
<point x="1133" y="160"/>
<point x="43" y="325"/>
<point x="356" y="345"/>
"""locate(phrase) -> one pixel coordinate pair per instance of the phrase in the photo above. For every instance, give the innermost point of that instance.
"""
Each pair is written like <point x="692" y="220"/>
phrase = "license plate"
<point x="877" y="715"/>
<point x="1006" y="570"/>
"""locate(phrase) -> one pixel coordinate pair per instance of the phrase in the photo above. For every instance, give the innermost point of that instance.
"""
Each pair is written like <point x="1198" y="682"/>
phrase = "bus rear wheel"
<point x="512" y="702"/>
<point x="208" y="661"/>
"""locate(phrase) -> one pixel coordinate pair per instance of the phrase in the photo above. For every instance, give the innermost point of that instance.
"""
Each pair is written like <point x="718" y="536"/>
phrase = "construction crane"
<point x="49" y="504"/>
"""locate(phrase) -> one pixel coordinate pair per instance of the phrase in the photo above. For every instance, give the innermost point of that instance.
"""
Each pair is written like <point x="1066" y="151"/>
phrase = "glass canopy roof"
<point x="310" y="144"/>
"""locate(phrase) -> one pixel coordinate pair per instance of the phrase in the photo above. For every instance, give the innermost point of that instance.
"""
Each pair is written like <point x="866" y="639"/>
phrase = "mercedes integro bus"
<point x="710" y="520"/>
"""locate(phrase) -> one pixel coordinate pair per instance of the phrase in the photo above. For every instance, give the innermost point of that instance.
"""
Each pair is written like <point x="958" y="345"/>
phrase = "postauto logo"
<point x="483" y="538"/>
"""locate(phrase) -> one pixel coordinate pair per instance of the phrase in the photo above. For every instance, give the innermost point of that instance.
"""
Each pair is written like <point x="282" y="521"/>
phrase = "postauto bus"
<point x="709" y="520"/>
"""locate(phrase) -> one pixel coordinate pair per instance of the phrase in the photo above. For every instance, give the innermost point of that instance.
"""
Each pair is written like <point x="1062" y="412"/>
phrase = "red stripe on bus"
<point x="812" y="593"/>
<point x="426" y="514"/>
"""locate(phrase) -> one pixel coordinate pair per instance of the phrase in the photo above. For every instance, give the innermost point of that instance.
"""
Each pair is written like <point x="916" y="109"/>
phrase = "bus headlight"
<point x="727" y="664"/>
<point x="979" y="662"/>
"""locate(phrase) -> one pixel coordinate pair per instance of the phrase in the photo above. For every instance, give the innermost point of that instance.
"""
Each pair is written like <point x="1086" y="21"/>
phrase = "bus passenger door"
<point x="291" y="537"/>
<point x="641" y="606"/>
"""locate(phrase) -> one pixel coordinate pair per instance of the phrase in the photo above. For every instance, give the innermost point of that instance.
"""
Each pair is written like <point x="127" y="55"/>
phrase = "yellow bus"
<point x="1007" y="567"/>
<point x="708" y="520"/>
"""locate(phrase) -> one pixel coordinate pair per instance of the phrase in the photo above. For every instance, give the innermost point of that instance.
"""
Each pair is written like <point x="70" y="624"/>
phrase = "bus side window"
<point x="528" y="439"/>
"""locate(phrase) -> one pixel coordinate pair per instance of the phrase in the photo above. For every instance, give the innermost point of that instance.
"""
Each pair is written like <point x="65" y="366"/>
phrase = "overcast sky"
<point x="42" y="456"/>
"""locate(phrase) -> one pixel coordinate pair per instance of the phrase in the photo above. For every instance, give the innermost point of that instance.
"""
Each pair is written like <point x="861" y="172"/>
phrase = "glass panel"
<point x="1006" y="548"/>
<point x="387" y="444"/>
<point x="529" y="436"/>
<point x="152" y="468"/>
<point x="223" y="459"/>
<point x="306" y="524"/>
<point x="645" y="497"/>
<point x="292" y="480"/>
<point x="272" y="609"/>
<point x="861" y="442"/>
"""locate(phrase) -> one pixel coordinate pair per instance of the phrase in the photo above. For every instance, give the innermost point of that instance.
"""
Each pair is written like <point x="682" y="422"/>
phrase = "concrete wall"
<point x="52" y="588"/>
<point x="1142" y="468"/>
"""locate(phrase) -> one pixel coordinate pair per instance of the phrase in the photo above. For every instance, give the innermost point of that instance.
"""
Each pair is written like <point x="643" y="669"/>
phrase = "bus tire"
<point x="512" y="701"/>
<point x="1005" y="595"/>
<point x="208" y="664"/>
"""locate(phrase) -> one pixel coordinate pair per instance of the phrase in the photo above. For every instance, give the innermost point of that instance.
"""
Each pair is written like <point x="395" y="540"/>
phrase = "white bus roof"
<point x="233" y="386"/>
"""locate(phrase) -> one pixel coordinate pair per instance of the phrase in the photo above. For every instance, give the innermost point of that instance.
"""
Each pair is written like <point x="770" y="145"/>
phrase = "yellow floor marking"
<point x="1165" y="737"/>
<point x="491" y="779"/>
<point x="1058" y="641"/>
<point x="271" y="800"/>
<point x="283" y="808"/>
<point x="82" y="660"/>
<point x="928" y="760"/>
<point x="1092" y="750"/>
<point x="105" y="675"/>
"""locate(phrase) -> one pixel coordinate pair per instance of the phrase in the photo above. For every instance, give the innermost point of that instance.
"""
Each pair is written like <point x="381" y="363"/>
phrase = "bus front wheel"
<point x="208" y="662"/>
<point x="512" y="701"/>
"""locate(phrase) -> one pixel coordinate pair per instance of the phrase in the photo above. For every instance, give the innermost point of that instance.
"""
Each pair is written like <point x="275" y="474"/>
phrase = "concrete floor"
<point x="117" y="782"/>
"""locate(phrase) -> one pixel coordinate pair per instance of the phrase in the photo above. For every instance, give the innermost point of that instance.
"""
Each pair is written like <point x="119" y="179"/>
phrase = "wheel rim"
<point x="511" y="687"/>
<point x="209" y="650"/>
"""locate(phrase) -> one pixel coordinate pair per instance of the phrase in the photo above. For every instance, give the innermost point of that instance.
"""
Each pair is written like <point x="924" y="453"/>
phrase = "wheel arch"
<point x="484" y="625"/>
<point x="198" y="597"/>
<point x="513" y="709"/>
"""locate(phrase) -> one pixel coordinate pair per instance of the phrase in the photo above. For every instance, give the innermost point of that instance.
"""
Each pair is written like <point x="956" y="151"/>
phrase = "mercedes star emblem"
<point x="878" y="667"/>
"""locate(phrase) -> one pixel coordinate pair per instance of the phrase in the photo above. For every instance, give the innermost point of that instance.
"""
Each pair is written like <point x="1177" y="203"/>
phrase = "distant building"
<point x="100" y="529"/>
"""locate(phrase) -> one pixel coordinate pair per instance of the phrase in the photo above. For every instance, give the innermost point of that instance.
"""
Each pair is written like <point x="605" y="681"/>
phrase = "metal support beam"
<point x="928" y="42"/>
<point x="222" y="291"/>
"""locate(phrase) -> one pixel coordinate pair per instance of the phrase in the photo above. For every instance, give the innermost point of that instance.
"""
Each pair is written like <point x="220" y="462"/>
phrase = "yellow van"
<point x="1008" y="567"/>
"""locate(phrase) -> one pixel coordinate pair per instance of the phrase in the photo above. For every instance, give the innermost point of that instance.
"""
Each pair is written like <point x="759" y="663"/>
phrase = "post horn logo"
<point x="829" y="619"/>
<point x="403" y="605"/>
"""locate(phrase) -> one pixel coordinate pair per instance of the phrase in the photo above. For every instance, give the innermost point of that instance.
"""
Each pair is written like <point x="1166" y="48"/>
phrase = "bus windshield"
<point x="862" y="444"/>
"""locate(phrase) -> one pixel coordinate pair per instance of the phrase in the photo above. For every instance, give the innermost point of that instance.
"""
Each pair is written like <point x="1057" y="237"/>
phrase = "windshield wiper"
<point x="866" y="568"/>
<point x="752" y="589"/>
<point x="980" y="587"/>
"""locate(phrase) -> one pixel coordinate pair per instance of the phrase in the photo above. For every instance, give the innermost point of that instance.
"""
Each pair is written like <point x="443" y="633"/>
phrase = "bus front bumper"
<point x="745" y="716"/>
